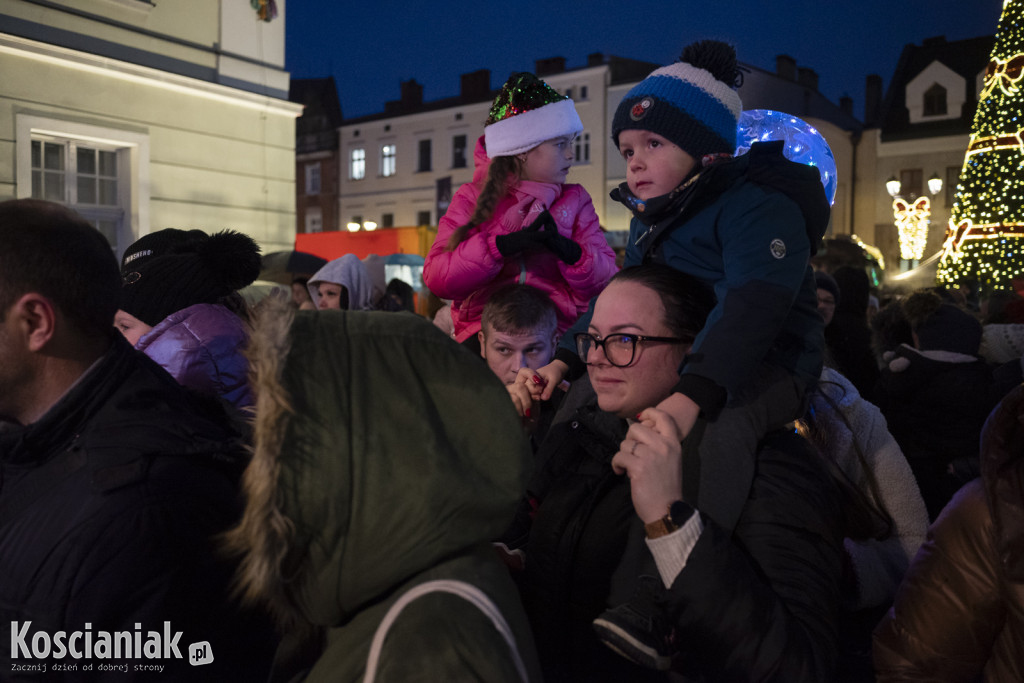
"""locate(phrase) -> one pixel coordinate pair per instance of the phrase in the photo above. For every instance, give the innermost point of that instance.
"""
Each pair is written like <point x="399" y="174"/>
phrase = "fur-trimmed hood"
<point x="381" y="448"/>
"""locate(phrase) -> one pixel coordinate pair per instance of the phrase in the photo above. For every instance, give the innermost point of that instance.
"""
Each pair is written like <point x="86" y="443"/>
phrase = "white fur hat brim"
<point x="523" y="132"/>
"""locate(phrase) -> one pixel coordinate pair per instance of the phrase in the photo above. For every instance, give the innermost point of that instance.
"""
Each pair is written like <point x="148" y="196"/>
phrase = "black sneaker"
<point x="638" y="630"/>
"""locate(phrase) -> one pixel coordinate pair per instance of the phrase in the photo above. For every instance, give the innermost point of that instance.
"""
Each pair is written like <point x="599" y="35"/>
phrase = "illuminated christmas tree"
<point x="984" y="246"/>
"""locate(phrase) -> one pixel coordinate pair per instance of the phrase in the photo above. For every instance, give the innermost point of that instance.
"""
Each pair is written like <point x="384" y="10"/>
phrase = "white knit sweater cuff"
<point x="672" y="551"/>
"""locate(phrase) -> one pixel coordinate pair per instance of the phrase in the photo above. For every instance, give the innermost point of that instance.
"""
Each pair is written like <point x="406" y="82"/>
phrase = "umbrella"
<point x="260" y="290"/>
<point x="404" y="260"/>
<point x="283" y="266"/>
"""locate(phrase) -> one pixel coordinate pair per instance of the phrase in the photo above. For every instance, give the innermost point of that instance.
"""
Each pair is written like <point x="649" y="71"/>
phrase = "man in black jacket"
<point x="114" y="481"/>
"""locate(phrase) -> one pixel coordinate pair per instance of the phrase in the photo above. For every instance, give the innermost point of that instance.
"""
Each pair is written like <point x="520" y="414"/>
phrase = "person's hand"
<point x="652" y="457"/>
<point x="544" y="222"/>
<point x="515" y="242"/>
<point x="525" y="404"/>
<point x="514" y="560"/>
<point x="682" y="411"/>
<point x="546" y="379"/>
<point x="565" y="249"/>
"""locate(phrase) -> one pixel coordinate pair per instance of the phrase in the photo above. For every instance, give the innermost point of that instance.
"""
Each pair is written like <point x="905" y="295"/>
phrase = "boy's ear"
<point x="482" y="338"/>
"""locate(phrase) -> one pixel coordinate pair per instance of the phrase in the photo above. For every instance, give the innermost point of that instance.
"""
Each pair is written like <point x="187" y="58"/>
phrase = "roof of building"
<point x="965" y="57"/>
<point x="797" y="95"/>
<point x="476" y="87"/>
<point x="317" y="128"/>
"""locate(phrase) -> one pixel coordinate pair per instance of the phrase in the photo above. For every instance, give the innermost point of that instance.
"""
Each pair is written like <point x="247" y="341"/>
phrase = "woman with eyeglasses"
<point x="756" y="604"/>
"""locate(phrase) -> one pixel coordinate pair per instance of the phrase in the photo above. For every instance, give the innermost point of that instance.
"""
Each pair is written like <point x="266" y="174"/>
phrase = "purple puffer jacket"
<point x="476" y="268"/>
<point x="202" y="347"/>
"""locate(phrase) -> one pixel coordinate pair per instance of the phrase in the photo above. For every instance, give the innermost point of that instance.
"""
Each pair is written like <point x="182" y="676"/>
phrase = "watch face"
<point x="680" y="512"/>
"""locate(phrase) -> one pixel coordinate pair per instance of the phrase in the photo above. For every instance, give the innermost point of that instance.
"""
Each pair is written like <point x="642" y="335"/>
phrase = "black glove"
<point x="564" y="248"/>
<point x="542" y="232"/>
<point x="515" y="242"/>
<point x="544" y="222"/>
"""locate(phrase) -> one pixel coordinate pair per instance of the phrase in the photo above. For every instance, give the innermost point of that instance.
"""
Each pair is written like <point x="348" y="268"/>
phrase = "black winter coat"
<point x="109" y="508"/>
<point x="759" y="605"/>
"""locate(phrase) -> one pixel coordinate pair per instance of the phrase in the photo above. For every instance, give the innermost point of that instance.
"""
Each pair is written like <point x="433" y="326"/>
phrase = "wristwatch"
<point x="678" y="513"/>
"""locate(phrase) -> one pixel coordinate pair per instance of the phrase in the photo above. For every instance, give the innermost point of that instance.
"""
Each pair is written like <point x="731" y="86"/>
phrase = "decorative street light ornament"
<point x="892" y="186"/>
<point x="912" y="224"/>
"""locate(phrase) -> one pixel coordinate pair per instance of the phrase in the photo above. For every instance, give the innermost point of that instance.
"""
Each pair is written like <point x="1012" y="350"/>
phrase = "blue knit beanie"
<point x="691" y="103"/>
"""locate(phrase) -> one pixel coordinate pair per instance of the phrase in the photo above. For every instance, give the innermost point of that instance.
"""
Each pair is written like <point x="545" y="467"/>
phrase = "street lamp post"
<point x="911" y="215"/>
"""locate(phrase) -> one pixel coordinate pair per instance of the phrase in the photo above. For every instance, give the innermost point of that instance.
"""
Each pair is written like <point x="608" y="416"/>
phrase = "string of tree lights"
<point x="984" y="247"/>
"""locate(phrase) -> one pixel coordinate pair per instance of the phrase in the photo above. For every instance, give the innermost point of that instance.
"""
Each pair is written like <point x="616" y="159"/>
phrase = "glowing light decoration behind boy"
<point x="804" y="144"/>
<point x="985" y="238"/>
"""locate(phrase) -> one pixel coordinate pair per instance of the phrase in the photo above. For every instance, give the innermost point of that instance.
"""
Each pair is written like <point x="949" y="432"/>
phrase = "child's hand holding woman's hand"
<point x="682" y="412"/>
<point x="545" y="380"/>
<point x="652" y="457"/>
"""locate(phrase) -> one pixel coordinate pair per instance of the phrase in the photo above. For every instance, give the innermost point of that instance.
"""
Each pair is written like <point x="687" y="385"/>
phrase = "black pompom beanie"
<point x="166" y="280"/>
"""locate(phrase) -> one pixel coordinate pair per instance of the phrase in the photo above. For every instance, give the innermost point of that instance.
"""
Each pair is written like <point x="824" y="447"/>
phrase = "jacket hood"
<point x="381" y="448"/>
<point x="349" y="272"/>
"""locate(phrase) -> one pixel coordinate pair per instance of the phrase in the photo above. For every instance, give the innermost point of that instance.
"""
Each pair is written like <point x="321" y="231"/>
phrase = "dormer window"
<point x="936" y="94"/>
<point x="935" y="101"/>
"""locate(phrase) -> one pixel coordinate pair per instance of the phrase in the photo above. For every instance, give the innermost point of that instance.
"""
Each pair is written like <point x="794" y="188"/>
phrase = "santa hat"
<point x="527" y="112"/>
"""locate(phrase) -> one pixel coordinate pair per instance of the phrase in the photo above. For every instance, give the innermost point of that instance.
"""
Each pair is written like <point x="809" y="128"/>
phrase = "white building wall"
<point x="196" y="154"/>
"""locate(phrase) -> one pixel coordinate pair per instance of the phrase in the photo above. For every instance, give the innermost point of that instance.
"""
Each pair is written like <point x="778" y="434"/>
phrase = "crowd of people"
<point x="715" y="463"/>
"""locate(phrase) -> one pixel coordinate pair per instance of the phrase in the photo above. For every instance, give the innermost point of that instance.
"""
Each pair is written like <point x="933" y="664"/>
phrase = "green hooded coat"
<point x="385" y="456"/>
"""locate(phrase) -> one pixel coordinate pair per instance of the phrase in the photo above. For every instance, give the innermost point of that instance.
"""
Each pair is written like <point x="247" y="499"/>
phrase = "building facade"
<point x="143" y="116"/>
<point x="920" y="130"/>
<point x="317" y="163"/>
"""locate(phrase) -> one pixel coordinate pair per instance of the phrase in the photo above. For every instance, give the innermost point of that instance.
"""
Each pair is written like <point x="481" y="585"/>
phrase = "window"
<point x="357" y="165"/>
<point x="935" y="101"/>
<point x="387" y="160"/>
<point x="582" y="144"/>
<point x="583" y="92"/>
<point x="459" y="151"/>
<point x="423" y="218"/>
<point x="82" y="175"/>
<point x="387" y="220"/>
<point x="910" y="183"/>
<point x="424" y="161"/>
<point x="568" y="93"/>
<point x="314" y="219"/>
<point x="949" y="187"/>
<point x="94" y="170"/>
<point x="313" y="178"/>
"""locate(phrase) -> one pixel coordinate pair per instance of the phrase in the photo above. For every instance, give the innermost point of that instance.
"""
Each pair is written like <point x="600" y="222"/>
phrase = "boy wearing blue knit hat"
<point x="747" y="226"/>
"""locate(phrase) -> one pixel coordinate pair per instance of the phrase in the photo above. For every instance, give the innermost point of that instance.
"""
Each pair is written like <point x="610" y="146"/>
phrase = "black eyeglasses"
<point x="619" y="349"/>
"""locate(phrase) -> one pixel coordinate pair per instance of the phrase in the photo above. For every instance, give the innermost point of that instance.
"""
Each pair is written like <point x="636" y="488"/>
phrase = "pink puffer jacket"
<point x="476" y="268"/>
